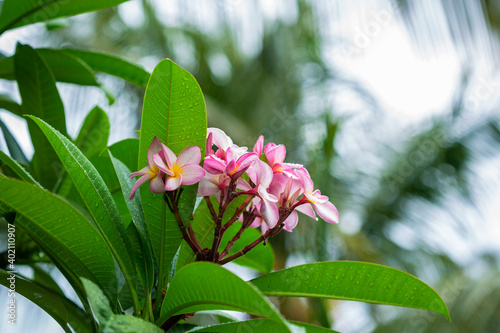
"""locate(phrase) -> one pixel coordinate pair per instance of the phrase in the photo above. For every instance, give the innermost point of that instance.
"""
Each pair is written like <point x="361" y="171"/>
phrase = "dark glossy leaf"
<point x="65" y="312"/>
<point x="174" y="111"/>
<point x="17" y="13"/>
<point x="354" y="281"/>
<point x="198" y="287"/>
<point x="41" y="99"/>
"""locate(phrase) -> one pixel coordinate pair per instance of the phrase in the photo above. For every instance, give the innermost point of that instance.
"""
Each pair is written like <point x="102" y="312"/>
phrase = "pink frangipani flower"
<point x="151" y="171"/>
<point x="325" y="209"/>
<point x="275" y="155"/>
<point x="182" y="170"/>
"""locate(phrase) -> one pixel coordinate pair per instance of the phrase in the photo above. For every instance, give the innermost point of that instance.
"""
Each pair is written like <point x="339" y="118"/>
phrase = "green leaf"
<point x="129" y="324"/>
<point x="206" y="286"/>
<point x="98" y="301"/>
<point x="113" y="65"/>
<point x="47" y="219"/>
<point x="94" y="133"/>
<point x="41" y="99"/>
<point x="14" y="149"/>
<point x="16" y="168"/>
<point x="18" y="13"/>
<point x="174" y="111"/>
<point x="259" y="325"/>
<point x="354" y="281"/>
<point x="140" y="241"/>
<point x="7" y="68"/>
<point x="97" y="198"/>
<point x="7" y="103"/>
<point x="65" y="312"/>
<point x="260" y="258"/>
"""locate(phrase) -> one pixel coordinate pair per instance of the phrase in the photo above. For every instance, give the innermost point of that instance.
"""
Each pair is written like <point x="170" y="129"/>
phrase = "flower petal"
<point x="207" y="188"/>
<point x="154" y="148"/>
<point x="138" y="183"/>
<point x="269" y="212"/>
<point x="257" y="149"/>
<point x="190" y="155"/>
<point x="169" y="156"/>
<point x="161" y="165"/>
<point x="191" y="174"/>
<point x="291" y="221"/>
<point x="173" y="183"/>
<point x="307" y="210"/>
<point x="214" y="165"/>
<point x="328" y="212"/>
<point x="306" y="180"/>
<point x="266" y="196"/>
<point x="208" y="148"/>
<point x="220" y="139"/>
<point x="156" y="185"/>
<point x="142" y="172"/>
<point x="275" y="154"/>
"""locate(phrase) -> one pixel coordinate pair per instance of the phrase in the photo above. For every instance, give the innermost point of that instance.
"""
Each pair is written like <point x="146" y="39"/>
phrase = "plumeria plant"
<point x="146" y="254"/>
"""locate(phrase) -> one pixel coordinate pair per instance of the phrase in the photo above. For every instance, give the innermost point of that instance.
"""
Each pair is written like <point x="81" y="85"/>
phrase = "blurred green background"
<point x="393" y="106"/>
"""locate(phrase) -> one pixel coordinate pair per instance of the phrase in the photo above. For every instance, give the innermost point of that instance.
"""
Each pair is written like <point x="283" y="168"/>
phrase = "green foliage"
<point x="355" y="281"/>
<point x="117" y="253"/>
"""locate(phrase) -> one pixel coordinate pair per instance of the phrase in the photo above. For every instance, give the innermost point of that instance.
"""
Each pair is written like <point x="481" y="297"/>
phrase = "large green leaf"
<point x="206" y="286"/>
<point x="113" y="65"/>
<point x="97" y="198"/>
<point x="17" y="13"/>
<point x="260" y="325"/>
<point x="355" y="281"/>
<point x="174" y="111"/>
<point x="98" y="301"/>
<point x="47" y="219"/>
<point x="64" y="311"/>
<point x="41" y="99"/>
<point x="14" y="149"/>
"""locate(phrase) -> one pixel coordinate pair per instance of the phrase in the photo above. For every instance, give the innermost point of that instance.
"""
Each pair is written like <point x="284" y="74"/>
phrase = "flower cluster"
<point x="279" y="189"/>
